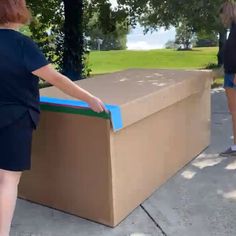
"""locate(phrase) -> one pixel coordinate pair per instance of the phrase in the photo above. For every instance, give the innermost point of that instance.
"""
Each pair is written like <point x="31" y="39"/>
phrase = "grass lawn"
<point x="111" y="61"/>
<point x="218" y="82"/>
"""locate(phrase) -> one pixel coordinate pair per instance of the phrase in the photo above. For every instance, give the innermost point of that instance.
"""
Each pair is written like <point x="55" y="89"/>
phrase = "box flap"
<point x="82" y="108"/>
<point x="132" y="95"/>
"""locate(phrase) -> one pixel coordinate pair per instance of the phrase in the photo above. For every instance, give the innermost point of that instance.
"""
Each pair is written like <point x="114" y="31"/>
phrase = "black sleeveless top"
<point x="19" y="92"/>
<point x="230" y="52"/>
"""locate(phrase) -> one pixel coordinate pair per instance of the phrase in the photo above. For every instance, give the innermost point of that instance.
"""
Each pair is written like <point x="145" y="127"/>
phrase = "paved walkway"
<point x="199" y="201"/>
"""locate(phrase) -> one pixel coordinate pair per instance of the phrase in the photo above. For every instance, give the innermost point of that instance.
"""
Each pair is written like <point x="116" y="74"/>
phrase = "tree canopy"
<point x="59" y="26"/>
<point x="200" y="14"/>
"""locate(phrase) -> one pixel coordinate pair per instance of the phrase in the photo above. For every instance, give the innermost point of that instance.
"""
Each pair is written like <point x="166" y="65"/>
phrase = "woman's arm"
<point x="49" y="74"/>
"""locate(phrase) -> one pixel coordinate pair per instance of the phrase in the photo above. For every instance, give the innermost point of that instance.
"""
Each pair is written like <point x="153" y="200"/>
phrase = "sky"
<point x="138" y="41"/>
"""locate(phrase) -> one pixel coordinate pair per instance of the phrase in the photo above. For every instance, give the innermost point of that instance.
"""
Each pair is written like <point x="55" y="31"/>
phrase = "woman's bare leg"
<point x="9" y="181"/>
<point x="231" y="96"/>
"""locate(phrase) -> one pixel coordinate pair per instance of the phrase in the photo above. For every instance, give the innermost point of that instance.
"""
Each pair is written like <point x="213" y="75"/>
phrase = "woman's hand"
<point x="55" y="78"/>
<point x="96" y="104"/>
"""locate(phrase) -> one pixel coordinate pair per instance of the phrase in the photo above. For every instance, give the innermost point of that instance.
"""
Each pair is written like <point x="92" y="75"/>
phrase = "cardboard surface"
<point x="140" y="93"/>
<point x="158" y="147"/>
<point x="70" y="162"/>
<point x="81" y="166"/>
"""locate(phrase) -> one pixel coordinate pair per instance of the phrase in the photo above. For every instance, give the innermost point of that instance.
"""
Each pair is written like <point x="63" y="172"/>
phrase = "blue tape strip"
<point x="116" y="116"/>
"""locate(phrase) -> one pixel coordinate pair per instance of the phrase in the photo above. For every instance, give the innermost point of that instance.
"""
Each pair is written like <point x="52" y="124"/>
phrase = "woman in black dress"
<point x="21" y="63"/>
<point x="228" y="18"/>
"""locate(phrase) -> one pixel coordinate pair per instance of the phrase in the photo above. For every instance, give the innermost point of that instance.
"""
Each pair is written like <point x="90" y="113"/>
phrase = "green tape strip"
<point x="71" y="110"/>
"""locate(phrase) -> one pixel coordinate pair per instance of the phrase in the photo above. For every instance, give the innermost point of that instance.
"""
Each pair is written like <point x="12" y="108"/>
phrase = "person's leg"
<point x="230" y="89"/>
<point x="9" y="181"/>
<point x="231" y="97"/>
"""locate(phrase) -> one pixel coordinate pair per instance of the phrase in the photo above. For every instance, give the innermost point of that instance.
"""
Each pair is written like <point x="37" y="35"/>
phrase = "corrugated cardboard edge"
<point x="112" y="186"/>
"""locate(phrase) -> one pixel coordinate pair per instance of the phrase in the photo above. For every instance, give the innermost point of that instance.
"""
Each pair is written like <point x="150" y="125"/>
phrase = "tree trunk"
<point x="73" y="41"/>
<point x="222" y="40"/>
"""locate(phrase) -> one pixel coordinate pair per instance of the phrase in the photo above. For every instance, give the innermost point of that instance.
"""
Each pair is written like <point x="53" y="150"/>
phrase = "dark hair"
<point x="14" y="11"/>
<point x="228" y="13"/>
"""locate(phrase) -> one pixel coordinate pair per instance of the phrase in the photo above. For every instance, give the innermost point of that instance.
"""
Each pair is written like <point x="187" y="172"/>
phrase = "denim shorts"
<point x="229" y="81"/>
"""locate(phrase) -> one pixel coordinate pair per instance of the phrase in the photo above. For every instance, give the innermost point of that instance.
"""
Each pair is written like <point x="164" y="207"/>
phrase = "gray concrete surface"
<point x="199" y="201"/>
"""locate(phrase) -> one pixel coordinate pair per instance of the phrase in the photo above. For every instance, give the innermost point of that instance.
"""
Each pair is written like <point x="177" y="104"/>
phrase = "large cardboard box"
<point x="101" y="167"/>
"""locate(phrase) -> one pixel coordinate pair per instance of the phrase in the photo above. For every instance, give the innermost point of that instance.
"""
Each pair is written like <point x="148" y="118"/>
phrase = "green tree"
<point x="59" y="27"/>
<point x="184" y="35"/>
<point x="199" y="15"/>
<point x="206" y="39"/>
<point x="115" y="40"/>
